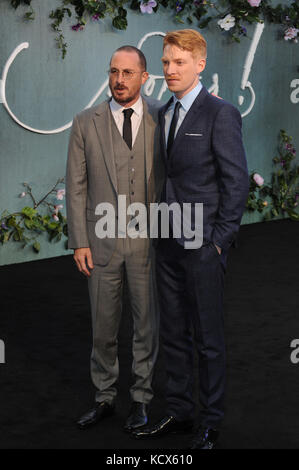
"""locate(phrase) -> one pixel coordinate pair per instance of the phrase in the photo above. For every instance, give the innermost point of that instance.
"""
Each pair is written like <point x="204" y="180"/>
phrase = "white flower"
<point x="58" y="208"/>
<point x="227" y="23"/>
<point x="291" y="33"/>
<point x="254" y="3"/>
<point x="60" y="194"/>
<point x="55" y="218"/>
<point x="23" y="194"/>
<point x="258" y="179"/>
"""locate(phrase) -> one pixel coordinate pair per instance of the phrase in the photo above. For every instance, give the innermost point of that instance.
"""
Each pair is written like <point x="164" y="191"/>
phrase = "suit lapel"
<point x="189" y="119"/>
<point x="149" y="134"/>
<point x="102" y="120"/>
<point x="162" y="127"/>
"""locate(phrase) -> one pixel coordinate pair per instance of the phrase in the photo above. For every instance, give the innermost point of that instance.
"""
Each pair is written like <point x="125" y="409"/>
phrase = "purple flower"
<point x="4" y="226"/>
<point x="282" y="162"/>
<point x="148" y="6"/>
<point x="78" y="27"/>
<point x="290" y="148"/>
<point x="178" y="7"/>
<point x="243" y="30"/>
<point x="254" y="3"/>
<point x="96" y="17"/>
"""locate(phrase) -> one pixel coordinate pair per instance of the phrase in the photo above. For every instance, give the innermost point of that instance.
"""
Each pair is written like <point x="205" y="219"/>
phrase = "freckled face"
<point x="181" y="69"/>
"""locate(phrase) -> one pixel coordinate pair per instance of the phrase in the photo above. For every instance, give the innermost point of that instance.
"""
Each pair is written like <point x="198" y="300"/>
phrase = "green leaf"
<point x="29" y="212"/>
<point x="11" y="222"/>
<point x="293" y="215"/>
<point x="36" y="247"/>
<point x="28" y="224"/>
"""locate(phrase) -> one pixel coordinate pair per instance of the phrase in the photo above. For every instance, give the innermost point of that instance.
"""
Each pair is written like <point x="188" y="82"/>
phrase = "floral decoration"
<point x="281" y="196"/>
<point x="26" y="225"/>
<point x="230" y="15"/>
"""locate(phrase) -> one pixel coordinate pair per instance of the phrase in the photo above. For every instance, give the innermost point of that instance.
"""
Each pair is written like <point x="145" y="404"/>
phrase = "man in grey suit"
<point x="113" y="152"/>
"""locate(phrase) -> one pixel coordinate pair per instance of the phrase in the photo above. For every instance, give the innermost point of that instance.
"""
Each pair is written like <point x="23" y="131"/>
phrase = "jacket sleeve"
<point x="76" y="189"/>
<point x="232" y="173"/>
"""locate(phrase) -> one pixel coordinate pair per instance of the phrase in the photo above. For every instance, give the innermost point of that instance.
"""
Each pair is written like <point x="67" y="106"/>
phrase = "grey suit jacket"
<point x="91" y="174"/>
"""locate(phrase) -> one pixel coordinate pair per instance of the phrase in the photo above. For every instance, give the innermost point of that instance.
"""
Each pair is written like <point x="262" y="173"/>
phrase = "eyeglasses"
<point x="126" y="74"/>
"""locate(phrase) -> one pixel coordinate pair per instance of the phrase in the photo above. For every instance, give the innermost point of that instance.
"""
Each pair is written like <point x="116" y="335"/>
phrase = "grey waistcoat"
<point x="130" y="165"/>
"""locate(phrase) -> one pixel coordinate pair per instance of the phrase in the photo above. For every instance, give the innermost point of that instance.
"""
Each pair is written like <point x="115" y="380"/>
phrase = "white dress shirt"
<point x="136" y="118"/>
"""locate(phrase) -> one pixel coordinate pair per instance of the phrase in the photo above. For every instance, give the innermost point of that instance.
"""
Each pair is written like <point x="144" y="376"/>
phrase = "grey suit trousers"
<point x="131" y="258"/>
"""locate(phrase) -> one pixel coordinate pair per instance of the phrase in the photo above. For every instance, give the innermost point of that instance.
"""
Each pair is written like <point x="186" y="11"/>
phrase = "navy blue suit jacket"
<point x="210" y="167"/>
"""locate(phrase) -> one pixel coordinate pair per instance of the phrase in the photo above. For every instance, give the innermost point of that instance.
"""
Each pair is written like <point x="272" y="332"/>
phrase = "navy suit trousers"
<point x="190" y="288"/>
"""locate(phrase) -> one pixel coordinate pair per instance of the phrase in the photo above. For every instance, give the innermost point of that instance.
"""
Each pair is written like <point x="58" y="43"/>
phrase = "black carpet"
<point x="45" y="324"/>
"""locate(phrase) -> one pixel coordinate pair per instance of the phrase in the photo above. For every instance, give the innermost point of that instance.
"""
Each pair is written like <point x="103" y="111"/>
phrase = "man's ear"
<point x="145" y="76"/>
<point x="201" y="65"/>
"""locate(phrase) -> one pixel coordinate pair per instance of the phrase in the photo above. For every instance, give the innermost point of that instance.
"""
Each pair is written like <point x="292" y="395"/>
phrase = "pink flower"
<point x="254" y="3"/>
<point x="148" y="6"/>
<point x="258" y="179"/>
<point x="291" y="33"/>
<point x="60" y="194"/>
<point x="55" y="218"/>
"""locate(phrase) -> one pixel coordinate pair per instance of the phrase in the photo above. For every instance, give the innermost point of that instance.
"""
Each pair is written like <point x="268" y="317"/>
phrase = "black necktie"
<point x="173" y="127"/>
<point x="127" y="129"/>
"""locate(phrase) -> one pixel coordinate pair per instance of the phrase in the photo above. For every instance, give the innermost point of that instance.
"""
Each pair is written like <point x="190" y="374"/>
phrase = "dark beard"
<point x="125" y="100"/>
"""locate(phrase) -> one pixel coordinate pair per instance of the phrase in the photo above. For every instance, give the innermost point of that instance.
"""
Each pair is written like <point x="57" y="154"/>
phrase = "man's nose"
<point x="171" y="69"/>
<point x="120" y="77"/>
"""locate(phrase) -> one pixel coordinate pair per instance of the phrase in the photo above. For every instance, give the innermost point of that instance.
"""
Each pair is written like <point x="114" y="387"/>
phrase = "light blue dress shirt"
<point x="186" y="102"/>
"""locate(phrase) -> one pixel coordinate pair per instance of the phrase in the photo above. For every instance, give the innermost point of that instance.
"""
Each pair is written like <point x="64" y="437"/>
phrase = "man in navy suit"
<point x="201" y="140"/>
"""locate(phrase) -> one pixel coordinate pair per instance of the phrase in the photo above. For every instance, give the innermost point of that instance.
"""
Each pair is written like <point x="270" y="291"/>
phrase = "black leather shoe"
<point x="205" y="439"/>
<point x="99" y="412"/>
<point x="167" y="425"/>
<point x="137" y="417"/>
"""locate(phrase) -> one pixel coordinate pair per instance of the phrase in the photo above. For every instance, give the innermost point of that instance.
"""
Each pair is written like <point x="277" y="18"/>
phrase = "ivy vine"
<point x="230" y="15"/>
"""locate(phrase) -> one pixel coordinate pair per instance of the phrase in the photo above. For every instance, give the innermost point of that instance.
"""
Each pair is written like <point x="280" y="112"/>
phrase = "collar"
<point x="188" y="100"/>
<point x="118" y="108"/>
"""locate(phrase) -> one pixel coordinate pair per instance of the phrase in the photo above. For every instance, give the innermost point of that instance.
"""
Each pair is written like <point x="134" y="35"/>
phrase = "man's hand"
<point x="81" y="256"/>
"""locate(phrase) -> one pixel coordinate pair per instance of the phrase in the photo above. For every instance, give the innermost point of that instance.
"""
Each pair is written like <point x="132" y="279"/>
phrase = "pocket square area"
<point x="193" y="135"/>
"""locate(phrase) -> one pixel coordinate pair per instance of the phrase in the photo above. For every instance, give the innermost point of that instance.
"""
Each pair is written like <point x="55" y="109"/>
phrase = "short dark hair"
<point x="141" y="56"/>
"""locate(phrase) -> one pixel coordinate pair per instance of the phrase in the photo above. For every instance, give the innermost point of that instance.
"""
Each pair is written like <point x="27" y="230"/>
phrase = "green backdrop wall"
<point x="45" y="92"/>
